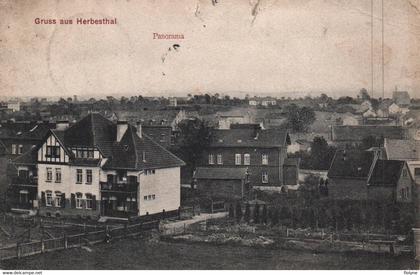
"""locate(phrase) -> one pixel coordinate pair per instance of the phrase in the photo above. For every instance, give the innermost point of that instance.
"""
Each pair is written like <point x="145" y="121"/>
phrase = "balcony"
<point x="25" y="181"/>
<point x="118" y="187"/>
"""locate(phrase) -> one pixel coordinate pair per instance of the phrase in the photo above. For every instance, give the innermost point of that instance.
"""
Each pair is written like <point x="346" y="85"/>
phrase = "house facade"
<point x="363" y="175"/>
<point x="262" y="151"/>
<point x="98" y="168"/>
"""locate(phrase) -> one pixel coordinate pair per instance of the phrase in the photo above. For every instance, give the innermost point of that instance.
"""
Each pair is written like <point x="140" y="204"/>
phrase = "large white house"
<point x="100" y="168"/>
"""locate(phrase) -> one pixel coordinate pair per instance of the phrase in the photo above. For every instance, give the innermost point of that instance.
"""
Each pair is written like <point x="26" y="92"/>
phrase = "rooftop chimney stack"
<point x="122" y="126"/>
<point x="139" y="130"/>
<point x="62" y="125"/>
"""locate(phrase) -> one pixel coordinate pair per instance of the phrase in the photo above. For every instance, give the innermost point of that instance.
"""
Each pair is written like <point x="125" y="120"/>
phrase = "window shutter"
<point x="43" y="198"/>
<point x="63" y="200"/>
<point x="94" y="202"/>
<point x="73" y="201"/>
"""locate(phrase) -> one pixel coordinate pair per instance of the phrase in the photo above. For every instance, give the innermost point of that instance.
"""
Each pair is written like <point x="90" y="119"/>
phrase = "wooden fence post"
<point x="65" y="241"/>
<point x="18" y="250"/>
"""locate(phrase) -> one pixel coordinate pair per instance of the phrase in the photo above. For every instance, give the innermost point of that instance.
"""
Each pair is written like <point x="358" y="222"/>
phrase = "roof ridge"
<point x="130" y="127"/>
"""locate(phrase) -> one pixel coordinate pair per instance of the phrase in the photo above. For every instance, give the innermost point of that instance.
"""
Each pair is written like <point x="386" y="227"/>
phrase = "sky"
<point x="236" y="47"/>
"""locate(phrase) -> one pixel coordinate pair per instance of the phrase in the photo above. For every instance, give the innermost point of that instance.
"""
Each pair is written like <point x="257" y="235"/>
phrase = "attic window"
<point x="359" y="169"/>
<point x="126" y="147"/>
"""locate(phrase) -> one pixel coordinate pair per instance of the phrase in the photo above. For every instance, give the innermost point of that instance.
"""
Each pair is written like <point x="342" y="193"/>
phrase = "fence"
<point x="36" y="247"/>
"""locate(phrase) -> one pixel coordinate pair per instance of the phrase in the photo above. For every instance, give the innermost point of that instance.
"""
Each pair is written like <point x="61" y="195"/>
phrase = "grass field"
<point x="141" y="254"/>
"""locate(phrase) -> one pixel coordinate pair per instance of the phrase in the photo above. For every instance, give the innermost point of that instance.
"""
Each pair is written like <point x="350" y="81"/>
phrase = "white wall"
<point x="165" y="184"/>
<point x="51" y="140"/>
<point x="68" y="180"/>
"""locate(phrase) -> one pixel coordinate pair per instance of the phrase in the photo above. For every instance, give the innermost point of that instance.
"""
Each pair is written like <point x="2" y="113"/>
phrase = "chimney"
<point x="62" y="125"/>
<point x="139" y="129"/>
<point x="122" y="126"/>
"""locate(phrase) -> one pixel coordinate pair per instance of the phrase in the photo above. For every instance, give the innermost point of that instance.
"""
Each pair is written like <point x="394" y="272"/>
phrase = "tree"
<point x="364" y="95"/>
<point x="321" y="154"/>
<point x="247" y="213"/>
<point x="231" y="211"/>
<point x="195" y="137"/>
<point x="264" y="214"/>
<point x="299" y="118"/>
<point x="238" y="212"/>
<point x="256" y="213"/>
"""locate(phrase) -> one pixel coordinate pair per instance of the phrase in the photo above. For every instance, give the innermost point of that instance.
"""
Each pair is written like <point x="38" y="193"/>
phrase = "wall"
<point x="274" y="168"/>
<point x="68" y="186"/>
<point x="52" y="141"/>
<point x="165" y="184"/>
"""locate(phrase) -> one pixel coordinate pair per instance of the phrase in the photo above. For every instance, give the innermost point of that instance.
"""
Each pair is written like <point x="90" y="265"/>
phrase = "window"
<point x="57" y="174"/>
<point x="149" y="197"/>
<point x="264" y="177"/>
<point x="20" y="149"/>
<point x="247" y="159"/>
<point x="53" y="151"/>
<point x="211" y="159"/>
<point x="49" y="174"/>
<point x="417" y="172"/>
<point x="407" y="192"/>
<point x="219" y="159"/>
<point x="14" y="149"/>
<point x="238" y="159"/>
<point x="90" y="154"/>
<point x="79" y="176"/>
<point x="89" y="176"/>
<point x="58" y="199"/>
<point x="49" y="198"/>
<point x="264" y="159"/>
<point x="79" y="201"/>
<point x="89" y="202"/>
<point x="404" y="173"/>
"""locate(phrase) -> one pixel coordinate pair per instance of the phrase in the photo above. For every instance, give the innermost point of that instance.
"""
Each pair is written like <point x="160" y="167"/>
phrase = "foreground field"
<point x="142" y="254"/>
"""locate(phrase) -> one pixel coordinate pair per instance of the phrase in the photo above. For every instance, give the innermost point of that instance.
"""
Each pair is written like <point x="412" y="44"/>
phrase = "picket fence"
<point x="20" y="250"/>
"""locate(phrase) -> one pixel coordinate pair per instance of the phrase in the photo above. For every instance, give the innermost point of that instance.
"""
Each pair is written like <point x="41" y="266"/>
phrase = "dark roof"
<point x="25" y="130"/>
<point x="386" y="172"/>
<point x="131" y="152"/>
<point x="292" y="162"/>
<point x="149" y="117"/>
<point x="220" y="173"/>
<point x="402" y="149"/>
<point x="136" y="153"/>
<point x="250" y="138"/>
<point x="97" y="132"/>
<point x="351" y="164"/>
<point x="359" y="132"/>
<point x="28" y="158"/>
